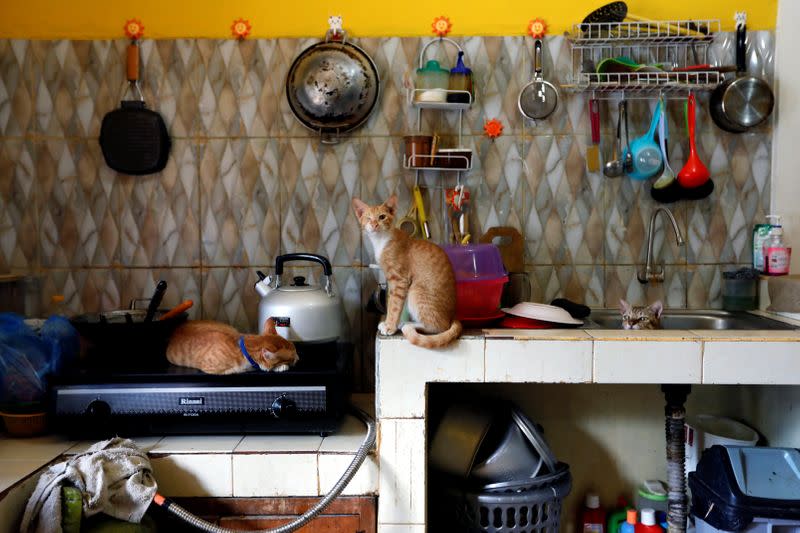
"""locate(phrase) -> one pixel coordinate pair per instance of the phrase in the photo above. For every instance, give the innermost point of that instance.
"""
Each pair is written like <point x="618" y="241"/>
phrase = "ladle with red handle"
<point x="694" y="173"/>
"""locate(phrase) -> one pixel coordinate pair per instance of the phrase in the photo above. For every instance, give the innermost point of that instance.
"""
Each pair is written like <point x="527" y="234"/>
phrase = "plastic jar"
<point x="432" y="83"/>
<point x="460" y="80"/>
<point x="739" y="294"/>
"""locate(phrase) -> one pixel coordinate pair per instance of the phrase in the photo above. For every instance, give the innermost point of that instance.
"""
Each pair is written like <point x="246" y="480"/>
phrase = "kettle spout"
<point x="263" y="287"/>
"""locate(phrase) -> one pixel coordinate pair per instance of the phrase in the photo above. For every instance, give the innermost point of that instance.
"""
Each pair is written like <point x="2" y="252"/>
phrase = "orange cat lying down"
<point x="217" y="348"/>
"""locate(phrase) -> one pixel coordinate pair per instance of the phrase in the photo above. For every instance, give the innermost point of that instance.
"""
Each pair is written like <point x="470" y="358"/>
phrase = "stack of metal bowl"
<point x="495" y="472"/>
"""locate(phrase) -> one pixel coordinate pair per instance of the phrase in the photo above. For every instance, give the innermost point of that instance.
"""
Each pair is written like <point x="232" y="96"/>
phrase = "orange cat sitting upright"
<point x="217" y="348"/>
<point x="418" y="274"/>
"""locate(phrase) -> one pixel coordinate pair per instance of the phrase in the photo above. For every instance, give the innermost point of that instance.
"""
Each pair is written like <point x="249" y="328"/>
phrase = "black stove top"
<point x="103" y="398"/>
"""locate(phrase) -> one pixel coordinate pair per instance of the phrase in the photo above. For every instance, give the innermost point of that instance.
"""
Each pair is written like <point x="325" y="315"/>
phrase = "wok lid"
<point x="332" y="87"/>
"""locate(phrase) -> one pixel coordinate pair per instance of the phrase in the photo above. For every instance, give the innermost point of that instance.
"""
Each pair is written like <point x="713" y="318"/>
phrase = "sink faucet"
<point x="650" y="273"/>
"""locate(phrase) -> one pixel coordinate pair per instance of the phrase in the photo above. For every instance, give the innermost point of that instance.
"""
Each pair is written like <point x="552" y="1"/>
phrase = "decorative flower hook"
<point x="493" y="128"/>
<point x="241" y="28"/>
<point x="134" y="29"/>
<point x="441" y="26"/>
<point x="537" y="28"/>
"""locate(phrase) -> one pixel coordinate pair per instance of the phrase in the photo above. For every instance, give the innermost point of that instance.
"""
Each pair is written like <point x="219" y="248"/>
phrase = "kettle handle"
<point x="281" y="259"/>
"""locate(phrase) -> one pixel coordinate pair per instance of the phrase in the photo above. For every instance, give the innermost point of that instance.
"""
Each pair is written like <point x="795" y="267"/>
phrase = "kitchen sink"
<point x="691" y="319"/>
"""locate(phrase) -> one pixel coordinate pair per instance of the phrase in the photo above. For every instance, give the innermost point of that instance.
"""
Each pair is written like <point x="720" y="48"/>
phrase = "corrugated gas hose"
<point x="366" y="446"/>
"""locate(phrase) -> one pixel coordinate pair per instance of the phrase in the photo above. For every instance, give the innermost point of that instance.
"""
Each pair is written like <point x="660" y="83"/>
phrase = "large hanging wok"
<point x="332" y="87"/>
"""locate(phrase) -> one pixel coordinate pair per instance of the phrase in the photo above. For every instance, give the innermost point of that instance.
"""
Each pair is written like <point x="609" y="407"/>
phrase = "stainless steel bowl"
<point x="513" y="459"/>
<point x="458" y="437"/>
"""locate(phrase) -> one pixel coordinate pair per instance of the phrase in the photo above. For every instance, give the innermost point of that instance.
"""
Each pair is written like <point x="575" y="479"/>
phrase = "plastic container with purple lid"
<point x="474" y="262"/>
<point x="480" y="276"/>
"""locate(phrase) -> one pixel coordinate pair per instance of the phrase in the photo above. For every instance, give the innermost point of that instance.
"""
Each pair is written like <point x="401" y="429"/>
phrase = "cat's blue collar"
<point x="247" y="355"/>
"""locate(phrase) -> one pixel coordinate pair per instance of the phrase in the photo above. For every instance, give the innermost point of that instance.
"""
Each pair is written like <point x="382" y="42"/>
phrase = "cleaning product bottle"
<point x="760" y="236"/>
<point x="593" y="518"/>
<point x="629" y="525"/>
<point x="648" y="523"/>
<point x="617" y="515"/>
<point x="776" y="255"/>
<point x="460" y="80"/>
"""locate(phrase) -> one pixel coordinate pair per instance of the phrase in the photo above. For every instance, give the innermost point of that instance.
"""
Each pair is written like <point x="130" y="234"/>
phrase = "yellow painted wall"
<point x="163" y="19"/>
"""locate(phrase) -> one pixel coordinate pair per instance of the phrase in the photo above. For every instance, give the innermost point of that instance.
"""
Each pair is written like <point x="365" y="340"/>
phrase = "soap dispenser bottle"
<point x="760" y="236"/>
<point x="776" y="254"/>
<point x="460" y="81"/>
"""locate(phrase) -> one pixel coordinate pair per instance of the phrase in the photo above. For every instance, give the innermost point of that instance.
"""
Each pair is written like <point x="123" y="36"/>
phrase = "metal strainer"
<point x="538" y="98"/>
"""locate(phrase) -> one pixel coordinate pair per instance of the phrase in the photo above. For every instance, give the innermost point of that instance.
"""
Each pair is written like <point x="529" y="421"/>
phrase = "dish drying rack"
<point x="673" y="44"/>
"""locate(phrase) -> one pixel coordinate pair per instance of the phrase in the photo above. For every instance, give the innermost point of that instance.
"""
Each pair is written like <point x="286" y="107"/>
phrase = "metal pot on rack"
<point x="744" y="101"/>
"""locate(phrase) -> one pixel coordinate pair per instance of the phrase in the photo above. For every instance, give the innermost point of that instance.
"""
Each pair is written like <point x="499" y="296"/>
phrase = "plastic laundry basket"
<point x="534" y="508"/>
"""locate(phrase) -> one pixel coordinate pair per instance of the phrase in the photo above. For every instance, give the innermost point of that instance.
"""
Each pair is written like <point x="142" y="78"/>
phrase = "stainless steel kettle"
<point x="302" y="312"/>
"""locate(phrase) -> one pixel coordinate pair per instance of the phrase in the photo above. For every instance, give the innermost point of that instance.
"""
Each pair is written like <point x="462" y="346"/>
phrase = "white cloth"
<point x="114" y="476"/>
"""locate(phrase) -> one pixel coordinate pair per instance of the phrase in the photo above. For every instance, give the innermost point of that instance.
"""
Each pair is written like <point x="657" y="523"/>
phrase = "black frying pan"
<point x="134" y="139"/>
<point x="123" y="338"/>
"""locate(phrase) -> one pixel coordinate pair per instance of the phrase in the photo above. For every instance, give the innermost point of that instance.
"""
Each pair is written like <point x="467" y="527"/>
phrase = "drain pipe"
<point x="675" y="412"/>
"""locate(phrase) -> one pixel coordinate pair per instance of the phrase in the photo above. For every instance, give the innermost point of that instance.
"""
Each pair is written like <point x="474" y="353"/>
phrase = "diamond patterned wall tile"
<point x="18" y="78"/>
<point x="182" y="284"/>
<point x="228" y="296"/>
<point x="80" y="82"/>
<point x="720" y="227"/>
<point x="77" y="206"/>
<point x="565" y="217"/>
<point x="84" y="290"/>
<point x="629" y="208"/>
<point x="159" y="213"/>
<point x="579" y="283"/>
<point x="240" y="201"/>
<point x="317" y="184"/>
<point x="496" y="88"/>
<point x="704" y="289"/>
<point x="621" y="282"/>
<point x="498" y="185"/>
<point x="381" y="170"/>
<point x="19" y="221"/>
<point x="395" y="59"/>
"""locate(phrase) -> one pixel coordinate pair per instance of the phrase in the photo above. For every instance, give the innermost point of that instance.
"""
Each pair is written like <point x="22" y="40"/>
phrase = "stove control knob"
<point x="98" y="409"/>
<point x="284" y="407"/>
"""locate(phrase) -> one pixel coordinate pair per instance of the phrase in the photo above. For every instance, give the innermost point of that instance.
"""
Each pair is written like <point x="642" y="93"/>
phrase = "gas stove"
<point x="97" y="400"/>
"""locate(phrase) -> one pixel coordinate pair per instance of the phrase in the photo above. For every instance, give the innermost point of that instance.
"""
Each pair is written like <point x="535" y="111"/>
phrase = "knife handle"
<point x="156" y="300"/>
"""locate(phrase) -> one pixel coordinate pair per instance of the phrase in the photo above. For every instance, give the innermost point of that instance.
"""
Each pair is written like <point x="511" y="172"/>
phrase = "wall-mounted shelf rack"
<point x="441" y="162"/>
<point x="437" y="100"/>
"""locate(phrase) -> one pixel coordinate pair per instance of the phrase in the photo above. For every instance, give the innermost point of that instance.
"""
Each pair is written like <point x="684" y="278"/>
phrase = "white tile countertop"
<point x="212" y="466"/>
<point x="550" y="356"/>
